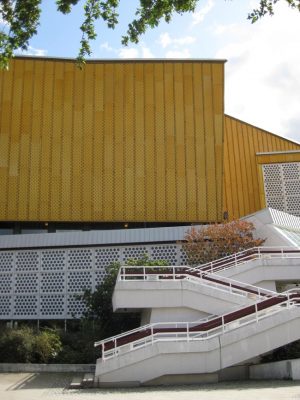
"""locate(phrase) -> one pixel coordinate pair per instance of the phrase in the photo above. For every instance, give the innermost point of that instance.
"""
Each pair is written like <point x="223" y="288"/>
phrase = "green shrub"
<point x="24" y="345"/>
<point x="47" y="346"/>
<point x="16" y="345"/>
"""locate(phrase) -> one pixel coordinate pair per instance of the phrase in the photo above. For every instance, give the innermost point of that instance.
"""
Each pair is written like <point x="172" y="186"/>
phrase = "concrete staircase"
<point x="151" y="353"/>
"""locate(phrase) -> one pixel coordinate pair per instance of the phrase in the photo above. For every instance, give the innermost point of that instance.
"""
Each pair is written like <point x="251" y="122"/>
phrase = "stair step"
<point x="88" y="381"/>
<point x="76" y="382"/>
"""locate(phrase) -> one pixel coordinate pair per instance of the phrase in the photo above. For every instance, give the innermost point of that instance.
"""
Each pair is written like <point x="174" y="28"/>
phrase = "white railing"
<point x="156" y="273"/>
<point x="218" y="265"/>
<point x="291" y="299"/>
<point x="245" y="256"/>
<point x="234" y="286"/>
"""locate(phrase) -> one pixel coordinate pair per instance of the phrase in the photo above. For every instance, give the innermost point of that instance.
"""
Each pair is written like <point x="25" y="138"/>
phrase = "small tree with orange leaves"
<point x="218" y="240"/>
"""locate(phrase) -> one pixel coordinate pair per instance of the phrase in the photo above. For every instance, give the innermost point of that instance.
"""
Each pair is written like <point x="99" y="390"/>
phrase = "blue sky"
<point x="60" y="34"/>
<point x="262" y="74"/>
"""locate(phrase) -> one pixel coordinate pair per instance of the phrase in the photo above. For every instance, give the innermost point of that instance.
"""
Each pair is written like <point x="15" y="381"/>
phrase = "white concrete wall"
<point x="295" y="369"/>
<point x="175" y="294"/>
<point x="274" y="370"/>
<point x="269" y="285"/>
<point x="208" y="356"/>
<point x="178" y="314"/>
<point x="287" y="369"/>
<point x="265" y="270"/>
<point x="264" y="221"/>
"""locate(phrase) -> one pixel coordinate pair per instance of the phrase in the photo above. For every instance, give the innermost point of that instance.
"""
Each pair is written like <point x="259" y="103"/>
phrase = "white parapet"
<point x="200" y="356"/>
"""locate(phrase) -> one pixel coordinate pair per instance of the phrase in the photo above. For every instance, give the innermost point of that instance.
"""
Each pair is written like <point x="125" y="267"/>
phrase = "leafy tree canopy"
<point x="25" y="345"/>
<point x="219" y="240"/>
<point x="22" y="18"/>
<point x="98" y="304"/>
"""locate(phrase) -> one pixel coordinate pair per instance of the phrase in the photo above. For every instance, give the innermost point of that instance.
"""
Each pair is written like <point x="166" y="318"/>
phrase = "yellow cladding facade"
<point x="117" y="141"/>
<point x="243" y="182"/>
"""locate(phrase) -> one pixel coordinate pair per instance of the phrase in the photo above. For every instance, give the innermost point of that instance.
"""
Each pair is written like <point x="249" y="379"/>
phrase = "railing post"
<point x="102" y="345"/>
<point x="256" y="314"/>
<point x="144" y="273"/>
<point x="258" y="251"/>
<point x="187" y="331"/>
<point x="223" y="325"/>
<point x="235" y="259"/>
<point x="152" y="338"/>
<point x="173" y="273"/>
<point x="115" y="352"/>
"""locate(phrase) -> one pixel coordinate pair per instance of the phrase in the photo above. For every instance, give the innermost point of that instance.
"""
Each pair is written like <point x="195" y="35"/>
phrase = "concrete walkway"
<point x="28" y="386"/>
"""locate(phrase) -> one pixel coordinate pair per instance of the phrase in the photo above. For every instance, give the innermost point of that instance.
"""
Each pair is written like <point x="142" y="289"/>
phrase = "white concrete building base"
<point x="287" y="369"/>
<point x="200" y="357"/>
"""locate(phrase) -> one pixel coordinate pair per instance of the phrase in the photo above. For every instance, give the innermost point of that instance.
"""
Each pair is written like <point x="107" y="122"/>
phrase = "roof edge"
<point x="264" y="130"/>
<point x="121" y="60"/>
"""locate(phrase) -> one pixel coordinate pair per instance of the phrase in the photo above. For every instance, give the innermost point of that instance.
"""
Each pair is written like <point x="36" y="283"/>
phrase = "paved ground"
<point x="28" y="386"/>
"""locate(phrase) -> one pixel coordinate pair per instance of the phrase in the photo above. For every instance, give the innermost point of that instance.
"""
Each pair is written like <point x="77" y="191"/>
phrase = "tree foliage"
<point x="24" y="345"/>
<point x="99" y="307"/>
<point x="218" y="240"/>
<point x="22" y="17"/>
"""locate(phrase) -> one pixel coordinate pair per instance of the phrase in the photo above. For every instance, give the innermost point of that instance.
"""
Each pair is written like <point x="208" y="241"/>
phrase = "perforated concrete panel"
<point x="45" y="284"/>
<point x="53" y="260"/>
<point x="5" y="307"/>
<point x="52" y="305"/>
<point x="6" y="261"/>
<point x="5" y="283"/>
<point x="282" y="186"/>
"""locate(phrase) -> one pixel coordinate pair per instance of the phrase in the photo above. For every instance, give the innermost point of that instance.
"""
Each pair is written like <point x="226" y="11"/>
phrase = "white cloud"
<point x="105" y="46"/>
<point x="140" y="51"/>
<point x="166" y="40"/>
<point x="185" y="40"/>
<point x="135" y="52"/>
<point x="262" y="73"/>
<point x="146" y="52"/>
<point x="184" y="53"/>
<point x="129" y="52"/>
<point x="178" y="46"/>
<point x="199" y="15"/>
<point x="32" y="51"/>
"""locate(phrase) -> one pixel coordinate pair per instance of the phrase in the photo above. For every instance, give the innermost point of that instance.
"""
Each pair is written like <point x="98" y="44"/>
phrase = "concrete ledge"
<point x="26" y="367"/>
<point x="273" y="370"/>
<point x="183" y="379"/>
<point x="235" y="373"/>
<point x="287" y="369"/>
<point x="295" y="368"/>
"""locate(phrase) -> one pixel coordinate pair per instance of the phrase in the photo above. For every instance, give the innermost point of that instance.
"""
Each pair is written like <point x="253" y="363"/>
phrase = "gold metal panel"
<point x="288" y="157"/>
<point x="117" y="141"/>
<point x="150" y="173"/>
<point x="242" y="177"/>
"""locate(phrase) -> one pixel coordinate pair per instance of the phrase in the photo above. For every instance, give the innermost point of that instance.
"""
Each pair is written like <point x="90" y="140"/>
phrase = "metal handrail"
<point x="228" y="261"/>
<point x="233" y="285"/>
<point x="207" y="269"/>
<point x="241" y="257"/>
<point x="189" y="334"/>
<point x="186" y="273"/>
<point x="261" y="292"/>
